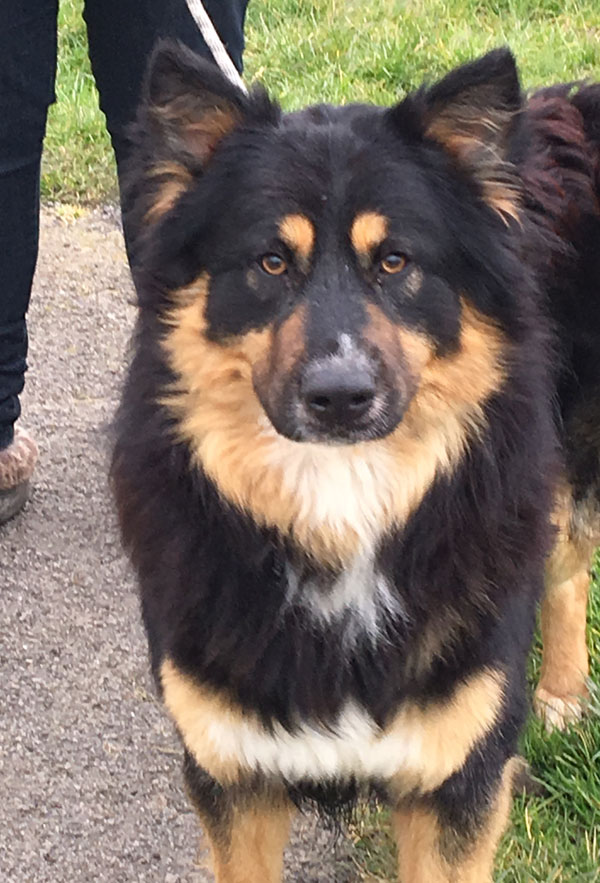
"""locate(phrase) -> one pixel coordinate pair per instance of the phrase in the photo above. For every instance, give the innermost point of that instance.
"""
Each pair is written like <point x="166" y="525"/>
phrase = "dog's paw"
<point x="524" y="782"/>
<point x="557" y="712"/>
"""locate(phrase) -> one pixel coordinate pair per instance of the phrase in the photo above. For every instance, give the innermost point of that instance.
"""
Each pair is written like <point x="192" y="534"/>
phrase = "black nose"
<point x="338" y="393"/>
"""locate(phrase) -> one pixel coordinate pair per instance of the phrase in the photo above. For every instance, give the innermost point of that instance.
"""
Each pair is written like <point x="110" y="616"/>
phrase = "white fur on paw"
<point x="557" y="712"/>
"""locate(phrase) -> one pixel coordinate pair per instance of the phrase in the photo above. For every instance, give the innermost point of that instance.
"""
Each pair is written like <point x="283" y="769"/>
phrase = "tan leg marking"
<point x="423" y="853"/>
<point x="562" y="690"/>
<point x="419" y="858"/>
<point x="253" y="849"/>
<point x="565" y="667"/>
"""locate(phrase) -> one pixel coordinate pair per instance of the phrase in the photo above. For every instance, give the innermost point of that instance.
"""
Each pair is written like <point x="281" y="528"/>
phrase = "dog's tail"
<point x="560" y="159"/>
<point x="587" y="101"/>
<point x="561" y="174"/>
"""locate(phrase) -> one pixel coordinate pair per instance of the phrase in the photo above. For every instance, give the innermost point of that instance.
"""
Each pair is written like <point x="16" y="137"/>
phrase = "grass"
<point x="78" y="164"/>
<point x="348" y="50"/>
<point x="330" y="50"/>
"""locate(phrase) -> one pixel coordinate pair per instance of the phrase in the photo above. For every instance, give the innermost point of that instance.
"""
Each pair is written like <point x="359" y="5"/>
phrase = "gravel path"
<point x="89" y="765"/>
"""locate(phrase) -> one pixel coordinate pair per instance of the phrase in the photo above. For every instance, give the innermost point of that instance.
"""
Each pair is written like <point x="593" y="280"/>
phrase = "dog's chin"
<point x="306" y="431"/>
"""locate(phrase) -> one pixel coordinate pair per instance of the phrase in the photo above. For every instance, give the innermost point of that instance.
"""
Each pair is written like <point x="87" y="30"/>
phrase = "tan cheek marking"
<point x="368" y="230"/>
<point x="417" y="349"/>
<point x="447" y="408"/>
<point x="404" y="352"/>
<point x="299" y="233"/>
<point x="383" y="333"/>
<point x="402" y="348"/>
<point x="447" y="732"/>
<point x="218" y="413"/>
<point x="256" y="346"/>
<point x="459" y="384"/>
<point x="289" y="343"/>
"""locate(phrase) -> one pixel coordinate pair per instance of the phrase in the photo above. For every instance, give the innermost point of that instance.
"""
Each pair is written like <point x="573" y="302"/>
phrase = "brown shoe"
<point x="17" y="463"/>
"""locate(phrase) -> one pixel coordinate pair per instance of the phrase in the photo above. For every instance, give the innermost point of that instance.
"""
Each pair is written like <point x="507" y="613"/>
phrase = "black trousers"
<point x="121" y="34"/>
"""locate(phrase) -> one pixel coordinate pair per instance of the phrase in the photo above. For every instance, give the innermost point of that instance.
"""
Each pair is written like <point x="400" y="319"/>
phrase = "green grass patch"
<point x="330" y="50"/>
<point x="349" y="50"/>
<point x="78" y="163"/>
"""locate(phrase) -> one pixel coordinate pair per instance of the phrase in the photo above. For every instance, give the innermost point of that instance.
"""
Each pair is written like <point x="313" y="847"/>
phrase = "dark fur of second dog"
<point x="364" y="375"/>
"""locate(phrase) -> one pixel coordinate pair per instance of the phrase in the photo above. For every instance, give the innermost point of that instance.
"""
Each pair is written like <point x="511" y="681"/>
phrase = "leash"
<point x="214" y="43"/>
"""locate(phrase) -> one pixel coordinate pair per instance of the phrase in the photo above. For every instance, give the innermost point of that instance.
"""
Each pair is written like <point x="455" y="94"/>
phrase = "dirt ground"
<point x="89" y="763"/>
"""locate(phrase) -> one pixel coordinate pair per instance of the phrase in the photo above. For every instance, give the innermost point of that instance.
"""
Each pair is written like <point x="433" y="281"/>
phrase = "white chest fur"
<point x="421" y="746"/>
<point x="354" y="748"/>
<point x="359" y="602"/>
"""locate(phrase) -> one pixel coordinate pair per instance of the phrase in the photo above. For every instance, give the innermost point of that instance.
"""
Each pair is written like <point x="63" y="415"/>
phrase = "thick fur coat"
<point x="339" y="442"/>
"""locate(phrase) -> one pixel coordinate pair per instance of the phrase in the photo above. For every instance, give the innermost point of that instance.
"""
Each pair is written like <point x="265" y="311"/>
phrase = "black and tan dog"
<point x="338" y="453"/>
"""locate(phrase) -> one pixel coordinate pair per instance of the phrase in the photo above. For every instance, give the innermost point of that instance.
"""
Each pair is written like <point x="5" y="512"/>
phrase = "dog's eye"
<point x="273" y="264"/>
<point x="394" y="263"/>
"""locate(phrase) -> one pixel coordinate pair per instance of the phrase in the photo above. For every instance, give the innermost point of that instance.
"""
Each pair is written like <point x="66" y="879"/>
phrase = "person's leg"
<point x="27" y="66"/>
<point x="122" y="34"/>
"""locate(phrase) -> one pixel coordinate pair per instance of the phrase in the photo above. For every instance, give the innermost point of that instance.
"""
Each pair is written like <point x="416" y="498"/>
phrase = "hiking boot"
<point x="17" y="463"/>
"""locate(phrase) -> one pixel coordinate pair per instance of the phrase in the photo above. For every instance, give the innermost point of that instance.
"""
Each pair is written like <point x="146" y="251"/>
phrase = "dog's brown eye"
<point x="394" y="263"/>
<point x="273" y="264"/>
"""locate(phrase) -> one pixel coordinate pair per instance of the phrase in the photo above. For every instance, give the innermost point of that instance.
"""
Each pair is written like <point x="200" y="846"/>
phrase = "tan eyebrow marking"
<point x="299" y="233"/>
<point x="368" y="230"/>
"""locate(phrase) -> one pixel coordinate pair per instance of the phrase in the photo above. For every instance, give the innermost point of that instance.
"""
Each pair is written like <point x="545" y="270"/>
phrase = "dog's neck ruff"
<point x="336" y="503"/>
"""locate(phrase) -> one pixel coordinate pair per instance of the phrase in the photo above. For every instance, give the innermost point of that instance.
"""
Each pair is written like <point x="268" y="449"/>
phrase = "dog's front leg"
<point x="441" y="839"/>
<point x="562" y="690"/>
<point x="248" y="827"/>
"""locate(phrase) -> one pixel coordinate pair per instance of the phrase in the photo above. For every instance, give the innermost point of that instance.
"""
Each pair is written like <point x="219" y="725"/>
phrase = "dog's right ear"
<point x="472" y="113"/>
<point x="190" y="106"/>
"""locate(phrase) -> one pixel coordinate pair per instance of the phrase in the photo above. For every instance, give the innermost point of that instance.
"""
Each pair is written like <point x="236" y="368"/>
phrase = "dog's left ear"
<point x="471" y="113"/>
<point x="190" y="106"/>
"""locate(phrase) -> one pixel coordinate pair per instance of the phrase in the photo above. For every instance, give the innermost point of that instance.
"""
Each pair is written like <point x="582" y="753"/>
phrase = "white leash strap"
<point x="215" y="44"/>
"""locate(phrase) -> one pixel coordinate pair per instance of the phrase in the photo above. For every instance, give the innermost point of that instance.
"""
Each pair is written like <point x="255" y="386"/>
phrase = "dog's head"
<point x="331" y="277"/>
<point x="338" y="251"/>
